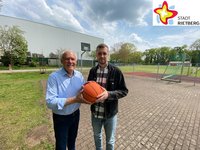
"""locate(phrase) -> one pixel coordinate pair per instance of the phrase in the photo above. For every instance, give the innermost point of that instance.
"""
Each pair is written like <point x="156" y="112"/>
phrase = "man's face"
<point x="102" y="56"/>
<point x="69" y="62"/>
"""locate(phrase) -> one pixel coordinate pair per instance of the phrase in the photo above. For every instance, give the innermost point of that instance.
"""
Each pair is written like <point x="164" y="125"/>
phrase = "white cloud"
<point x="185" y="37"/>
<point x="135" y="38"/>
<point x="64" y="18"/>
<point x="110" y="20"/>
<point x="40" y="11"/>
<point x="140" y="43"/>
<point x="99" y="19"/>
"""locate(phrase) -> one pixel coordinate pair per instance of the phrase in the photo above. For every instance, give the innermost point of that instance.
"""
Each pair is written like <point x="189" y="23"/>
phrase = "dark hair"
<point x="102" y="45"/>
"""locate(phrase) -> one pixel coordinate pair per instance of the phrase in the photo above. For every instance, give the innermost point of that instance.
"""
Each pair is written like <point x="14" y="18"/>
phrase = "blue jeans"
<point x="109" y="127"/>
<point x="66" y="129"/>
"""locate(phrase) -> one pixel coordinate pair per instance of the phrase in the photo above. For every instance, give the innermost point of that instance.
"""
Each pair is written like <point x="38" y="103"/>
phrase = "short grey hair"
<point x="68" y="51"/>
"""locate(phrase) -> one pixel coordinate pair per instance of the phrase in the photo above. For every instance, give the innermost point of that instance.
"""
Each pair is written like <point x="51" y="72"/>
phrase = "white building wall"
<point x="44" y="39"/>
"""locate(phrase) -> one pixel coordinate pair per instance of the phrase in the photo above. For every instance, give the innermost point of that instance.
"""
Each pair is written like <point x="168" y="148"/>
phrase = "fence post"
<point x="133" y="68"/>
<point x="158" y="67"/>
<point x="196" y="74"/>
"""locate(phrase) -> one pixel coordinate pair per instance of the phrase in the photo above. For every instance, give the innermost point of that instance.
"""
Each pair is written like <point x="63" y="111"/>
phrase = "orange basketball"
<point x="91" y="90"/>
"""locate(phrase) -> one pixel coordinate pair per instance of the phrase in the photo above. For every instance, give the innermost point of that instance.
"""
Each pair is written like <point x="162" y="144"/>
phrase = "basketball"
<point x="91" y="90"/>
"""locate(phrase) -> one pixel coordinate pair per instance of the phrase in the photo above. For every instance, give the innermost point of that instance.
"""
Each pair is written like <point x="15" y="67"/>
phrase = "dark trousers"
<point x="66" y="129"/>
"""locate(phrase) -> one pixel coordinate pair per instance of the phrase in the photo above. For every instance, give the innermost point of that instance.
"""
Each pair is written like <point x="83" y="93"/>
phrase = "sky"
<point x="113" y="20"/>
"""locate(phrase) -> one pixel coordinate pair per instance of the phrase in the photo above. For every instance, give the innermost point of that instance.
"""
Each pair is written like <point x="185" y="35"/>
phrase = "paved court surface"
<point x="156" y="115"/>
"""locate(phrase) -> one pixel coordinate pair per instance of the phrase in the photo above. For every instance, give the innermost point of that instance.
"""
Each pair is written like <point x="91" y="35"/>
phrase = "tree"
<point x="195" y="45"/>
<point x="92" y="54"/>
<point x="195" y="56"/>
<point x="59" y="53"/>
<point x="114" y="57"/>
<point x="163" y="57"/>
<point x="150" y="56"/>
<point x="13" y="44"/>
<point x="157" y="55"/>
<point x="125" y="52"/>
<point x="180" y="53"/>
<point x="136" y="57"/>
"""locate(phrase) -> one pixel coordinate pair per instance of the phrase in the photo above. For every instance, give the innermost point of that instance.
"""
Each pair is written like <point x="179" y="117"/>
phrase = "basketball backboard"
<point x="85" y="46"/>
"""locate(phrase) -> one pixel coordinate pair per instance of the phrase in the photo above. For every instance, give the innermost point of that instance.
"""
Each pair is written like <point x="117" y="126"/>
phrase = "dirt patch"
<point x="43" y="86"/>
<point x="37" y="135"/>
<point x="41" y="133"/>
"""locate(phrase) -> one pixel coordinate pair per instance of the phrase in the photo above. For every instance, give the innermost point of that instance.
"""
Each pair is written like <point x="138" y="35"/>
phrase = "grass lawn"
<point x="22" y="107"/>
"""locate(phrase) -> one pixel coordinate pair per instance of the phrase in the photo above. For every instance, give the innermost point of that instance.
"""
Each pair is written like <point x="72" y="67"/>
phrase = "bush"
<point x="33" y="64"/>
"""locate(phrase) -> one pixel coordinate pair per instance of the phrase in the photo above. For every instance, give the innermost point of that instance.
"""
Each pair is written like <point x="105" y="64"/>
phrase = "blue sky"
<point x="113" y="20"/>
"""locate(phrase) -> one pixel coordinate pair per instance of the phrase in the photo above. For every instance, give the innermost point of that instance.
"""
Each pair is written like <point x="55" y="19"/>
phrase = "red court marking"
<point x="154" y="75"/>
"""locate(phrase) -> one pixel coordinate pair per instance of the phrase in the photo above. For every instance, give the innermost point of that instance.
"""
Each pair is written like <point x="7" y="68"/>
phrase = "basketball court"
<point x="155" y="115"/>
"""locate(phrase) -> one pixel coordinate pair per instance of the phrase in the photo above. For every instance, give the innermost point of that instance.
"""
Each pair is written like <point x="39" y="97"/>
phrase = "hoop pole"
<point x="82" y="60"/>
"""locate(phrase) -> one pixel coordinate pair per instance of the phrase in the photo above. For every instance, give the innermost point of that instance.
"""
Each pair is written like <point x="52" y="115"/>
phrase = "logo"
<point x="176" y="13"/>
<point x="165" y="14"/>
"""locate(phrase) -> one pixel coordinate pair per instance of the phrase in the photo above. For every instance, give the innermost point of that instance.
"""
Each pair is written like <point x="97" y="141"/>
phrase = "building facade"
<point x="44" y="39"/>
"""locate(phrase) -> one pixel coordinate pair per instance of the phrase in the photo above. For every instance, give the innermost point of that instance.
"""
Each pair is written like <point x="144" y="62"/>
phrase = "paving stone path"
<point x="156" y="115"/>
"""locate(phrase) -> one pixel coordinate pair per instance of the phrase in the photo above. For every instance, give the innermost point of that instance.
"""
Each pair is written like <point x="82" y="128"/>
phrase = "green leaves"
<point x="13" y="44"/>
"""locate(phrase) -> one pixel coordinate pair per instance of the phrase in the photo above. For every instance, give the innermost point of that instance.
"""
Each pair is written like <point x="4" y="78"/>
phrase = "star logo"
<point x="164" y="13"/>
